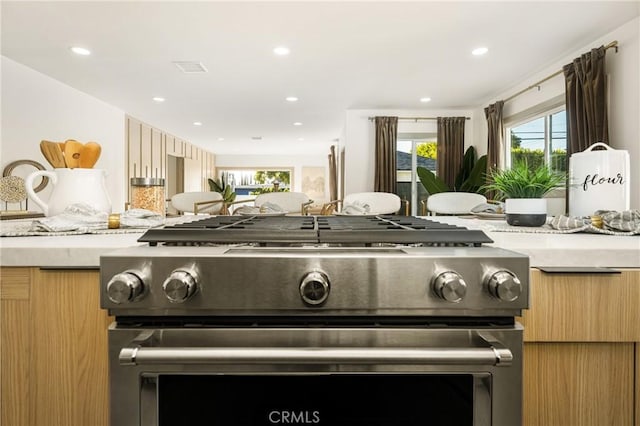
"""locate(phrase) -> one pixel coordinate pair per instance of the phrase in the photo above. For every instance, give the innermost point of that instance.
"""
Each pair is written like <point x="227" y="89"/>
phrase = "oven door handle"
<point x="492" y="356"/>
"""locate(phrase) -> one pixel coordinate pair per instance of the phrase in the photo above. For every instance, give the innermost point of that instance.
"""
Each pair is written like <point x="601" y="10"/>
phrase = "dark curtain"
<point x="586" y="101"/>
<point x="386" y="142"/>
<point x="450" y="148"/>
<point x="495" y="139"/>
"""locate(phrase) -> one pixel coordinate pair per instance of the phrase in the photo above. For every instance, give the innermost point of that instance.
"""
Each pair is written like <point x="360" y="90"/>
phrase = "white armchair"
<point x="377" y="202"/>
<point x="199" y="202"/>
<point x="452" y="203"/>
<point x="294" y="203"/>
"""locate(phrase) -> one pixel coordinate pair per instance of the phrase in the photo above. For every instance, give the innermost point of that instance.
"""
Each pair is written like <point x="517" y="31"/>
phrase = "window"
<point x="539" y="140"/>
<point x="257" y="181"/>
<point x="411" y="153"/>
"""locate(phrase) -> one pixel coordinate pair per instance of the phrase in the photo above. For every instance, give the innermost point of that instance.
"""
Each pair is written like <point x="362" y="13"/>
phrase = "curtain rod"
<point x="415" y="118"/>
<point x="613" y="44"/>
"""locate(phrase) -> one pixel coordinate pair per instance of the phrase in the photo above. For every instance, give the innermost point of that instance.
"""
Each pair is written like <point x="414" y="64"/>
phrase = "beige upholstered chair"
<point x="452" y="203"/>
<point x="294" y="203"/>
<point x="199" y="202"/>
<point x="377" y="202"/>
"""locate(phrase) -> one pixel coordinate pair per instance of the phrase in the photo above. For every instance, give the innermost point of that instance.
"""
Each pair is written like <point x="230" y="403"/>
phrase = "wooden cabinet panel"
<point x="54" y="349"/>
<point x="637" y="386"/>
<point x="583" y="307"/>
<point x="15" y="346"/>
<point x="192" y="175"/>
<point x="578" y="384"/>
<point x="134" y="146"/>
<point x="15" y="284"/>
<point x="71" y="350"/>
<point x="157" y="164"/>
<point x="145" y="153"/>
<point x="175" y="146"/>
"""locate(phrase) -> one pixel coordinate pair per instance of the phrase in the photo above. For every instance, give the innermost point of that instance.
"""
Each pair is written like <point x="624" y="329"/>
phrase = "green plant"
<point x="470" y="177"/>
<point x="522" y="181"/>
<point x="222" y="187"/>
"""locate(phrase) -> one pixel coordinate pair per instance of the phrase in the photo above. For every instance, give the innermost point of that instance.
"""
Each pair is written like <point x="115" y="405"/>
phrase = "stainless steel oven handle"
<point x="430" y="356"/>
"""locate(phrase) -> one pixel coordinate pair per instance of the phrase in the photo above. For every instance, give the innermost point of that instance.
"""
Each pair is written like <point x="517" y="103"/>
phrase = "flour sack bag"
<point x="598" y="180"/>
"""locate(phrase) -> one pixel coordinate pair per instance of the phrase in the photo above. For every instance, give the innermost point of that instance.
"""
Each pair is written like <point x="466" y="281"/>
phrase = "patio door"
<point x="413" y="151"/>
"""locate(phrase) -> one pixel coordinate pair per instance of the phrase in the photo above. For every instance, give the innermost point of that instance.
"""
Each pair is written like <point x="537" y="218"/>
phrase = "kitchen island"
<point x="582" y="331"/>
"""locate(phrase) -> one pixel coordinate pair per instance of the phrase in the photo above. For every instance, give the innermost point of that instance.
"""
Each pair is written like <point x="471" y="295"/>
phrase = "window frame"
<point x="542" y="111"/>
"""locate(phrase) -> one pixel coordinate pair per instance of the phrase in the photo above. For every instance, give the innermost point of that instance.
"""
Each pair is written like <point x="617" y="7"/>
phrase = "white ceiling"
<point x="344" y="55"/>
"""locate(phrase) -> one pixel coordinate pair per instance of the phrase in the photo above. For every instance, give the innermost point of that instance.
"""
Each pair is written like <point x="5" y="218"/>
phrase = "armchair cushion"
<point x="199" y="202"/>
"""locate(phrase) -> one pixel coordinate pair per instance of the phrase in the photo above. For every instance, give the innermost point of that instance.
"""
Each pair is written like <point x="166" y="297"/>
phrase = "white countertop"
<point x="560" y="250"/>
<point x="557" y="250"/>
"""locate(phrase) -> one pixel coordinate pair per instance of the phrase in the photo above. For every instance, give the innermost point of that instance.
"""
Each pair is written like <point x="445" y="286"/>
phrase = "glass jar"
<point x="148" y="193"/>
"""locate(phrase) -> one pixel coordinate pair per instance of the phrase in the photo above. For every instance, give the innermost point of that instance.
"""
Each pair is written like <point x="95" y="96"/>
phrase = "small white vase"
<point x="526" y="211"/>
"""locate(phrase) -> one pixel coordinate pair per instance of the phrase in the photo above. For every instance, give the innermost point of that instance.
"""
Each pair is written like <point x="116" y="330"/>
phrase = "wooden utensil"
<point x="53" y="154"/>
<point x="89" y="154"/>
<point x="72" y="149"/>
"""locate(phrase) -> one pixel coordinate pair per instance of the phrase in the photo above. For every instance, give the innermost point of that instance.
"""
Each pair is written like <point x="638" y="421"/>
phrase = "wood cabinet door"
<point x="637" y="386"/>
<point x="134" y="147"/>
<point x="578" y="384"/>
<point x="158" y="155"/>
<point x="15" y="346"/>
<point x="54" y="348"/>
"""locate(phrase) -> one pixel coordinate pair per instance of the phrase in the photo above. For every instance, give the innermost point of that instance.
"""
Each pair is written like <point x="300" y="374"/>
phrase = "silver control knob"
<point x="450" y="286"/>
<point x="124" y="287"/>
<point x="504" y="285"/>
<point x="314" y="288"/>
<point x="180" y="286"/>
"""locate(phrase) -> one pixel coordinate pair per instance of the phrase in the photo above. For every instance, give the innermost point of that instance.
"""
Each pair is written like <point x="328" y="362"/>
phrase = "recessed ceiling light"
<point x="158" y="99"/>
<point x="300" y="139"/>
<point x="479" y="51"/>
<point x="281" y="51"/>
<point x="197" y="123"/>
<point x="291" y="99"/>
<point x="220" y="139"/>
<point x="297" y="123"/>
<point x="425" y="100"/>
<point x="80" y="51"/>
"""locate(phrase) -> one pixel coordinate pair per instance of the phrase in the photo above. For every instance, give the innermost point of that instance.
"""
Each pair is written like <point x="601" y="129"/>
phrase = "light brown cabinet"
<point x="582" y="339"/>
<point x="54" y="369"/>
<point x="134" y="147"/>
<point x="154" y="153"/>
<point x="637" y="385"/>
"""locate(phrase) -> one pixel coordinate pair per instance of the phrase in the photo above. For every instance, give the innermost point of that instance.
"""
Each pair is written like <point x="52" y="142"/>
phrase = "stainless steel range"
<point x="330" y="320"/>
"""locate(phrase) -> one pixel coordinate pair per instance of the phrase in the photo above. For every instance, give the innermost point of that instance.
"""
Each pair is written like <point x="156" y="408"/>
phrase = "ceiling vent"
<point x="190" y="67"/>
<point x="256" y="138"/>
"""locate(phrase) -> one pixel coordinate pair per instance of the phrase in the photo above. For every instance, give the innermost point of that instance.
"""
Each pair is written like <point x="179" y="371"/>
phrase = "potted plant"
<point x="469" y="178"/>
<point x="224" y="188"/>
<point x="523" y="189"/>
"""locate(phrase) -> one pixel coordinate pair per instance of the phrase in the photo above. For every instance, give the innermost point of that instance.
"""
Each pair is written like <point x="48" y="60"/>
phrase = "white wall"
<point x="360" y="139"/>
<point x="37" y="107"/>
<point x="623" y="69"/>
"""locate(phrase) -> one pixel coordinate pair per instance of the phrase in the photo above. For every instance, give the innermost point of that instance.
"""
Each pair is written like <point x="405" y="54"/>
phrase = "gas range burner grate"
<point x="361" y="231"/>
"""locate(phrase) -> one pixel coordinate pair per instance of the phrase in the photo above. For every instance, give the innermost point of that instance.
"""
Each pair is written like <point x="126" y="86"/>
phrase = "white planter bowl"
<point x="526" y="211"/>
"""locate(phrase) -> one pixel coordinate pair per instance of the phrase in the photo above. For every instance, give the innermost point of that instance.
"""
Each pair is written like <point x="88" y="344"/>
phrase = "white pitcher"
<point x="71" y="186"/>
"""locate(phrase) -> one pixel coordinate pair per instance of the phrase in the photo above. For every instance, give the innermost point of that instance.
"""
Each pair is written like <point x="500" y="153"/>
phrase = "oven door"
<point x="333" y="376"/>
